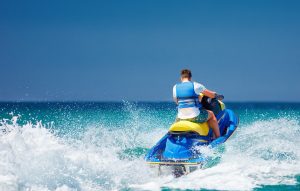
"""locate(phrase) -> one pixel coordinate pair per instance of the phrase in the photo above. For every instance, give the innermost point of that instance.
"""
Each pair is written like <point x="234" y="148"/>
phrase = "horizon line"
<point x="132" y="101"/>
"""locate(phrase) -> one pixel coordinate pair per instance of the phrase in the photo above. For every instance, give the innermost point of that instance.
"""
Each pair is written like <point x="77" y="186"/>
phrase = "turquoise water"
<point x="100" y="146"/>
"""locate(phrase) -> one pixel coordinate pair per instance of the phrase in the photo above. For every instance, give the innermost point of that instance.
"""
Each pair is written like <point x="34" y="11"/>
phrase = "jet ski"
<point x="179" y="148"/>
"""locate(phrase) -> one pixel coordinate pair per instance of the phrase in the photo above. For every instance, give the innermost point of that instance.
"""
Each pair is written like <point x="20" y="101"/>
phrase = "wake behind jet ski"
<point x="179" y="148"/>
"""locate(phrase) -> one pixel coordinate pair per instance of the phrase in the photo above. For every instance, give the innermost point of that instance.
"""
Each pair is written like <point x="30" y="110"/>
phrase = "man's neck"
<point x="185" y="80"/>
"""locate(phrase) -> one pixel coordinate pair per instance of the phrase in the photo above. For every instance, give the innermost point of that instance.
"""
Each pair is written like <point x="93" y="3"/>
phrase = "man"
<point x="186" y="95"/>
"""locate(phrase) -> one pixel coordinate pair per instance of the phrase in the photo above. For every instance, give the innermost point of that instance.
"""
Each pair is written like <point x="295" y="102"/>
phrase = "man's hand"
<point x="219" y="97"/>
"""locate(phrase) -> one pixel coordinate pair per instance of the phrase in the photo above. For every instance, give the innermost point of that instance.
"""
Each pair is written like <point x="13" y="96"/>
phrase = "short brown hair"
<point x="186" y="73"/>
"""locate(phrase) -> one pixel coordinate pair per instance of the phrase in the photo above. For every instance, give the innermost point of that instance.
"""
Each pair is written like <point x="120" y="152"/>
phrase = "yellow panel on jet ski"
<point x="222" y="105"/>
<point x="184" y="126"/>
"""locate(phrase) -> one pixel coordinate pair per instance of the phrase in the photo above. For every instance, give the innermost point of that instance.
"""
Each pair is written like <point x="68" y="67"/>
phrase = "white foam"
<point x="34" y="158"/>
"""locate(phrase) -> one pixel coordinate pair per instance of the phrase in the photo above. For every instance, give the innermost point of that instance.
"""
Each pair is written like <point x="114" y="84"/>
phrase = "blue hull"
<point x="181" y="148"/>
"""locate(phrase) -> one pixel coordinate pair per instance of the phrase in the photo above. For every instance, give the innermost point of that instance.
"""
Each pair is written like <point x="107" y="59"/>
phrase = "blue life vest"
<point x="186" y="95"/>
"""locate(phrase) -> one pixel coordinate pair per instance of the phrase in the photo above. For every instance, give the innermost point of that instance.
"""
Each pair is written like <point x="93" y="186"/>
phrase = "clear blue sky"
<point x="134" y="50"/>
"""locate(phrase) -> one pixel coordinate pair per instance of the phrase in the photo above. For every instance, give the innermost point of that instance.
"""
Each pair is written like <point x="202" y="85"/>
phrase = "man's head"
<point x="186" y="74"/>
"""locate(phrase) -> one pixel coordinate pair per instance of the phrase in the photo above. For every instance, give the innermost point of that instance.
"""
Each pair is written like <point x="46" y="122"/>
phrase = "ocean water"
<point x="100" y="146"/>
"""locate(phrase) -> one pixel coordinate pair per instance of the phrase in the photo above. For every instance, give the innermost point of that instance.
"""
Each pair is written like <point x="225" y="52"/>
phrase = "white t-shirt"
<point x="190" y="112"/>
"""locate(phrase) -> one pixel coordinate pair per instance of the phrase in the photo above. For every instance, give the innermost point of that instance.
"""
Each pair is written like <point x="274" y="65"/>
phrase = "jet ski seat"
<point x="187" y="126"/>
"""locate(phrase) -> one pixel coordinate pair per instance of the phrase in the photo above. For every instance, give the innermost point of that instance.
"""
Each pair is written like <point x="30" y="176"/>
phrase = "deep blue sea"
<point x="100" y="146"/>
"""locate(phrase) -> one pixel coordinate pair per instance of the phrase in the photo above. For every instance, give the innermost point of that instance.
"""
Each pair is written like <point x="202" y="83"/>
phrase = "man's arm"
<point x="212" y="94"/>
<point x="175" y="100"/>
<point x="209" y="93"/>
<point x="174" y="95"/>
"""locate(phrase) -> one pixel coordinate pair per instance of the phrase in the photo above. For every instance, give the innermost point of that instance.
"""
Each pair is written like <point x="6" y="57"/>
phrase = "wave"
<point x="35" y="157"/>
